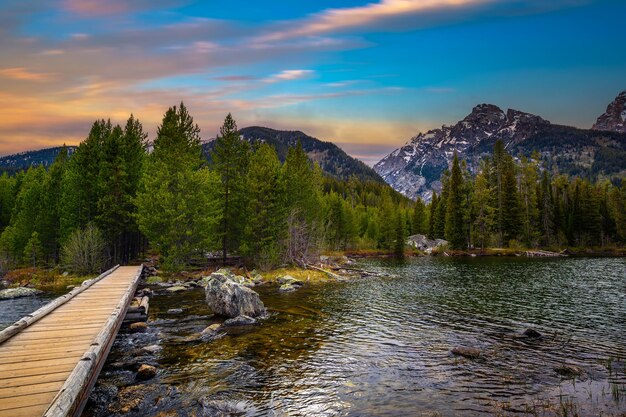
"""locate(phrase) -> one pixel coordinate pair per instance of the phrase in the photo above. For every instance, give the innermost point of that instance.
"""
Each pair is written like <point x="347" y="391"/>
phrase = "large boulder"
<point x="11" y="293"/>
<point x="231" y="299"/>
<point x="421" y="242"/>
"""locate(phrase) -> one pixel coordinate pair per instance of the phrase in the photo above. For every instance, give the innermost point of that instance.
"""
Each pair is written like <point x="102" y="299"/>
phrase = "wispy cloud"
<point x="23" y="74"/>
<point x="290" y="75"/>
<point x="340" y="19"/>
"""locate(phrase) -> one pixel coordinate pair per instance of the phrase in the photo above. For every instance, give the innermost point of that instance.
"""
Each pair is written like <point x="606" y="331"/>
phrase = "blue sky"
<point x="365" y="75"/>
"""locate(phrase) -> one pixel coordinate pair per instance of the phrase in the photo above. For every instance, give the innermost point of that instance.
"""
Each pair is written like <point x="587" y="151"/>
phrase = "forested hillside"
<point x="331" y="159"/>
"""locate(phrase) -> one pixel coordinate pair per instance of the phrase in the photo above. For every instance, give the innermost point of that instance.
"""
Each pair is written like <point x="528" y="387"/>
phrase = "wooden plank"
<point x="32" y="380"/>
<point x="27" y="411"/>
<point x="53" y="334"/>
<point x="67" y="341"/>
<point x="30" y="389"/>
<point x="66" y="360"/>
<point x="18" y="357"/>
<point x="30" y="399"/>
<point x="45" y="370"/>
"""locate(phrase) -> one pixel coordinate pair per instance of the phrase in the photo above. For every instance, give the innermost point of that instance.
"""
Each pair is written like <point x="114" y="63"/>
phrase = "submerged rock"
<point x="231" y="299"/>
<point x="212" y="328"/>
<point x="569" y="371"/>
<point x="466" y="352"/>
<point x="138" y="327"/>
<point x="532" y="333"/>
<point x="289" y="283"/>
<point x="287" y="288"/>
<point x="176" y="288"/>
<point x="11" y="293"/>
<point x="146" y="372"/>
<point x="239" y="321"/>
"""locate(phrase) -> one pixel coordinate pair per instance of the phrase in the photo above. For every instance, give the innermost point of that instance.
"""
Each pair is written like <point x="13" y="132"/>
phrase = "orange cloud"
<point x="21" y="73"/>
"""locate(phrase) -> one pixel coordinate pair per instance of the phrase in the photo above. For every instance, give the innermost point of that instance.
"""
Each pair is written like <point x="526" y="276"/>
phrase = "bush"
<point x="84" y="251"/>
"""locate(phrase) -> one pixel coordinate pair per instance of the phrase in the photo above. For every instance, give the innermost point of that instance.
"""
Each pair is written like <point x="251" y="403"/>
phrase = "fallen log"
<point x="330" y="274"/>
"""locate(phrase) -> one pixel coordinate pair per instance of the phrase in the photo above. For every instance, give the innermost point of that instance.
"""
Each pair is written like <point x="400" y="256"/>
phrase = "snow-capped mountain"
<point x="614" y="118"/>
<point x="415" y="168"/>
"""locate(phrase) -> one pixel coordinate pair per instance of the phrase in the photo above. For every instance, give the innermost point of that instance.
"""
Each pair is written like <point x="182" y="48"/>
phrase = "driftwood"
<point x="544" y="253"/>
<point x="71" y="399"/>
<point x="329" y="273"/>
<point x="26" y="321"/>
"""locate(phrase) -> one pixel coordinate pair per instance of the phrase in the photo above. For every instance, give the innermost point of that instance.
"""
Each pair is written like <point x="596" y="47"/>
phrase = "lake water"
<point x="381" y="346"/>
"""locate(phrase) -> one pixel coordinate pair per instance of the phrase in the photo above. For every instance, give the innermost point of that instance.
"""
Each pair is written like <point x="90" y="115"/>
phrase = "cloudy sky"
<point x="365" y="75"/>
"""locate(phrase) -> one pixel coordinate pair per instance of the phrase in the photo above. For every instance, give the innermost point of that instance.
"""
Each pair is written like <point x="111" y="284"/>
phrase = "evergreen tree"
<point x="529" y="201"/>
<point x="419" y="223"/>
<point x="303" y="183"/>
<point x="546" y="210"/>
<point x="509" y="201"/>
<point x="80" y="187"/>
<point x="432" y="209"/>
<point x="33" y="253"/>
<point x="49" y="224"/>
<point x="176" y="204"/>
<point x="440" y="212"/>
<point x="267" y="222"/>
<point x="483" y="211"/>
<point x="455" y="231"/>
<point x="231" y="157"/>
<point x="399" y="241"/>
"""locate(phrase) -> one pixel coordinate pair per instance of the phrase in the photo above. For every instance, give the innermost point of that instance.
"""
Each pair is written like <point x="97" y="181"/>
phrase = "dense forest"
<point x="517" y="203"/>
<point x="113" y="199"/>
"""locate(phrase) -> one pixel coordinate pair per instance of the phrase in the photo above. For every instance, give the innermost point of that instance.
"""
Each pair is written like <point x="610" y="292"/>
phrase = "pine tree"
<point x="267" y="222"/>
<point x="399" y="236"/>
<point x="80" y="187"/>
<point x="49" y="224"/>
<point x="231" y="157"/>
<point x="455" y="231"/>
<point x="432" y="209"/>
<point x="546" y="210"/>
<point x="483" y="211"/>
<point x="440" y="213"/>
<point x="303" y="182"/>
<point x="419" y="223"/>
<point x="528" y="197"/>
<point x="177" y="203"/>
<point x="33" y="253"/>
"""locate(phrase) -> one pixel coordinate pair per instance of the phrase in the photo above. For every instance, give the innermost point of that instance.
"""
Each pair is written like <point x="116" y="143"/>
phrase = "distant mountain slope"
<point x="331" y="158"/>
<point x="415" y="169"/>
<point x="614" y="118"/>
<point x="24" y="160"/>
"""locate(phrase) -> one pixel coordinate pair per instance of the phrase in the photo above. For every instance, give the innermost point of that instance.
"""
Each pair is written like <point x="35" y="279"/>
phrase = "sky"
<point x="366" y="75"/>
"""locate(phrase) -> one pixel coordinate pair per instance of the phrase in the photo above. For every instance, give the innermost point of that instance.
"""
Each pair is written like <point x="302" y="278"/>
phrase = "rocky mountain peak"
<point x="614" y="118"/>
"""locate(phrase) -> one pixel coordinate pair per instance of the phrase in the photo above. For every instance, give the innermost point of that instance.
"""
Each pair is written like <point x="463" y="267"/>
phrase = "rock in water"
<point x="532" y="333"/>
<point x="146" y="372"/>
<point x="239" y="321"/>
<point x="11" y="293"/>
<point x="470" y="353"/>
<point x="228" y="298"/>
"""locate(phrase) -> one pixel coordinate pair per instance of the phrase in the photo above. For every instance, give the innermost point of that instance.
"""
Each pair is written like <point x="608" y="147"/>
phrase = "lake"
<point x="381" y="346"/>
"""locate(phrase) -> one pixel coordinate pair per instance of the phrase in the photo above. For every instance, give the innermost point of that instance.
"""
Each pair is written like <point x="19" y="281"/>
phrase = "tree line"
<point x="115" y="197"/>
<point x="112" y="198"/>
<point x="516" y="203"/>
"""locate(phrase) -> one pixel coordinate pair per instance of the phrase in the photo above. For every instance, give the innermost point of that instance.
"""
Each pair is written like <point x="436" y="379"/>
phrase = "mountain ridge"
<point x="415" y="168"/>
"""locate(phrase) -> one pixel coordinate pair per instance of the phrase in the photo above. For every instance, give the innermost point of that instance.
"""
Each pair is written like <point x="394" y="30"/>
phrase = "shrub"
<point x="84" y="251"/>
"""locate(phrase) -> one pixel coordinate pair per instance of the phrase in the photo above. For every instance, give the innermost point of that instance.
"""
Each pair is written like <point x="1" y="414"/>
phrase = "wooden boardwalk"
<point x="51" y="359"/>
